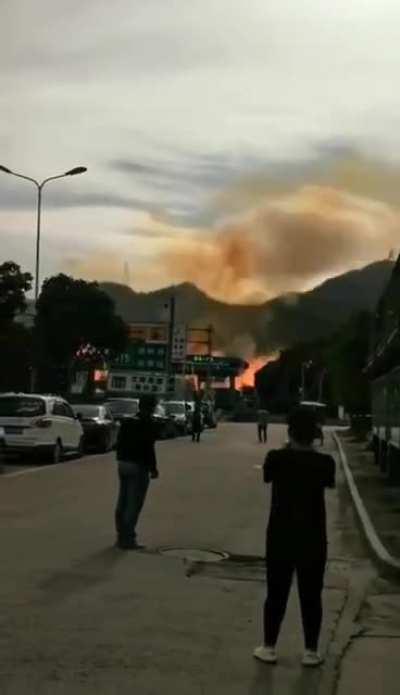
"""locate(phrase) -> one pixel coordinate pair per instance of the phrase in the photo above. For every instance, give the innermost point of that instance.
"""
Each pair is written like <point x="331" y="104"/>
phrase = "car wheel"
<point x="57" y="452"/>
<point x="107" y="443"/>
<point x="81" y="448"/>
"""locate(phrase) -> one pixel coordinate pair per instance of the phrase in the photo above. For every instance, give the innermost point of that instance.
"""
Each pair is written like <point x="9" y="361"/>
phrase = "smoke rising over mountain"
<point x="271" y="238"/>
<point x="284" y="244"/>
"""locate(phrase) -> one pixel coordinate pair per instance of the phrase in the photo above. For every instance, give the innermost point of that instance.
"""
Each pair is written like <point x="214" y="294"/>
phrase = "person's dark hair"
<point x="302" y="425"/>
<point x="147" y="403"/>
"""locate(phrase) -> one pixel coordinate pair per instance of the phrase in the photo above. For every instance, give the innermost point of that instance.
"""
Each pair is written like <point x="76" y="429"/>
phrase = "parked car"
<point x="129" y="407"/>
<point x="100" y="429"/>
<point x="122" y="407"/>
<point x="190" y="408"/>
<point x="167" y="428"/>
<point x="36" y="424"/>
<point x="178" y="412"/>
<point x="209" y="415"/>
<point x="2" y="448"/>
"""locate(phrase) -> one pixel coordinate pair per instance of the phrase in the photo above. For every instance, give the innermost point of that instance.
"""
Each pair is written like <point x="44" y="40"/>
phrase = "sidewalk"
<point x="372" y="658"/>
<point x="381" y="501"/>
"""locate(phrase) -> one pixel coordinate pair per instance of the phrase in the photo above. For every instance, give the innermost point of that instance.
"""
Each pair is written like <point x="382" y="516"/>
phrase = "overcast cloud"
<point x="175" y="105"/>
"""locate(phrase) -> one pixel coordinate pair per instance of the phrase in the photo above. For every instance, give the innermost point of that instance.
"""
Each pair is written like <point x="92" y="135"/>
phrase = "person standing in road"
<point x="262" y="424"/>
<point x="137" y="464"/>
<point x="296" y="535"/>
<point x="197" y="422"/>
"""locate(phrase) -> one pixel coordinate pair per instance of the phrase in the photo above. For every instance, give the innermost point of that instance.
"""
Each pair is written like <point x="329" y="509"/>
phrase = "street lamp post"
<point x="39" y="186"/>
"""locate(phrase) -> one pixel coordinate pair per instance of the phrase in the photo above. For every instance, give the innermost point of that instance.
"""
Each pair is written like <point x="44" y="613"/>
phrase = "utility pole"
<point x="321" y="384"/>
<point x="304" y="366"/>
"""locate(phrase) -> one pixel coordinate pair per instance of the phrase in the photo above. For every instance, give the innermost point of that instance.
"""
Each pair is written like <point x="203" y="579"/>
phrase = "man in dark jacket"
<point x="296" y="535"/>
<point x="136" y="465"/>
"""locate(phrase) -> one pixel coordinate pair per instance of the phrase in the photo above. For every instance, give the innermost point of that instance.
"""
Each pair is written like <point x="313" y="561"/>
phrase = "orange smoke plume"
<point x="286" y="244"/>
<point x="277" y="239"/>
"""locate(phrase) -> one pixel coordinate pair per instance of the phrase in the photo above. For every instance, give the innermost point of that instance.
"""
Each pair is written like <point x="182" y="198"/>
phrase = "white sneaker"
<point x="311" y="658"/>
<point x="265" y="654"/>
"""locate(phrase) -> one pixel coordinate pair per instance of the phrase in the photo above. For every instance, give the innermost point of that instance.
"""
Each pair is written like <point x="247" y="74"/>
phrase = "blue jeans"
<point x="133" y="485"/>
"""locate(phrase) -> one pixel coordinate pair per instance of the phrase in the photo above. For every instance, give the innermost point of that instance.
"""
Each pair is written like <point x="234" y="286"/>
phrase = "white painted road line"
<point x="375" y="543"/>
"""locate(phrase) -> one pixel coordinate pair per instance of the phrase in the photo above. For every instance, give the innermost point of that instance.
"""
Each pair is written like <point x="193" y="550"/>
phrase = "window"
<point x="146" y="387"/>
<point x="118" y="383"/>
<point x="142" y="379"/>
<point x="140" y="363"/>
<point x="161" y="352"/>
<point x="150" y="351"/>
<point x="134" y="379"/>
<point x="68" y="411"/>
<point x="138" y="387"/>
<point x="151" y="380"/>
<point x="62" y="410"/>
<point x="154" y="389"/>
<point x="87" y="411"/>
<point x="123" y="406"/>
<point x="142" y="351"/>
<point x="21" y="406"/>
<point x="150" y="363"/>
<point x="160" y="380"/>
<point x="160" y="365"/>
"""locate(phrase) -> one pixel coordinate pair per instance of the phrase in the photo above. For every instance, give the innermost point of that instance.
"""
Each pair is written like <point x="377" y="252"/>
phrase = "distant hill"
<point x="277" y="323"/>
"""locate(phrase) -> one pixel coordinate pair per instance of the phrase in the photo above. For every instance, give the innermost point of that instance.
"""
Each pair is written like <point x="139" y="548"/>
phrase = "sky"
<point x="251" y="147"/>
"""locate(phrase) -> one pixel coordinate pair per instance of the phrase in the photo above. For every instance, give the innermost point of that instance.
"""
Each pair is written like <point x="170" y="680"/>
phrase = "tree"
<point x="15" y="358"/>
<point x="334" y="370"/>
<point x="15" y="339"/>
<point x="346" y="358"/>
<point x="74" y="320"/>
<point x="13" y="286"/>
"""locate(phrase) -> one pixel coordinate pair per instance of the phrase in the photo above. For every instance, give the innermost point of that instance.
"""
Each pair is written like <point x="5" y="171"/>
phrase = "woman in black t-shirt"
<point x="296" y="534"/>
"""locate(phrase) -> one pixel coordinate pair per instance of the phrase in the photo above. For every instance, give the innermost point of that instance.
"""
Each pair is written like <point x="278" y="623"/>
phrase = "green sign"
<point x="146" y="357"/>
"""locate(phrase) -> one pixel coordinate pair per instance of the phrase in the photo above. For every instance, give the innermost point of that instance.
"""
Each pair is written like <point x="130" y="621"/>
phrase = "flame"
<point x="256" y="363"/>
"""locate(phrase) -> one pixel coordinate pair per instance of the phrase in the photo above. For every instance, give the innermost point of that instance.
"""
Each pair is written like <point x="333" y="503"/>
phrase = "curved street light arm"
<point x="52" y="178"/>
<point x="39" y="186"/>
<point x="27" y="178"/>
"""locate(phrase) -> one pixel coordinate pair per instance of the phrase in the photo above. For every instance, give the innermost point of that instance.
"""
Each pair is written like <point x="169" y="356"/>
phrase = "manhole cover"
<point x="195" y="555"/>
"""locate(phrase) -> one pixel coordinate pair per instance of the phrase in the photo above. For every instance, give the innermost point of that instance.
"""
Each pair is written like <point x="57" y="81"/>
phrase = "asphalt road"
<point x="80" y="616"/>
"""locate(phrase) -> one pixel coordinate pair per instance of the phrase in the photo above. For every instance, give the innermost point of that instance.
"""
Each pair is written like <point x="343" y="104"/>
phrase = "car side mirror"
<point x="78" y="416"/>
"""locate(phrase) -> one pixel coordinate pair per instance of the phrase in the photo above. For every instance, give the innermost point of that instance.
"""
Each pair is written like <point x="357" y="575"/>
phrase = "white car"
<point x="35" y="424"/>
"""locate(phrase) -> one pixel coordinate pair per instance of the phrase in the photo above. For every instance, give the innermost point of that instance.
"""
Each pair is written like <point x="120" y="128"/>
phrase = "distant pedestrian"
<point x="262" y="424"/>
<point x="136" y="465"/>
<point x="197" y="423"/>
<point x="296" y="535"/>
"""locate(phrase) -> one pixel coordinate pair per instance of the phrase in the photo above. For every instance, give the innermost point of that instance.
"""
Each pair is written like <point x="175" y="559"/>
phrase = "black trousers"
<point x="131" y="497"/>
<point x="262" y="433"/>
<point x="309" y="568"/>
<point x="196" y="435"/>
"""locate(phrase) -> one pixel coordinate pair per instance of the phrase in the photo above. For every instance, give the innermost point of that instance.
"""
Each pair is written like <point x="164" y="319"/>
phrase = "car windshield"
<point x="175" y="408"/>
<point x="87" y="410"/>
<point x="123" y="407"/>
<point x="21" y="406"/>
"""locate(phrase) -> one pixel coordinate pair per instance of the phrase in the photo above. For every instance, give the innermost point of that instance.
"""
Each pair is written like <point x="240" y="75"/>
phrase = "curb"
<point x="382" y="556"/>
